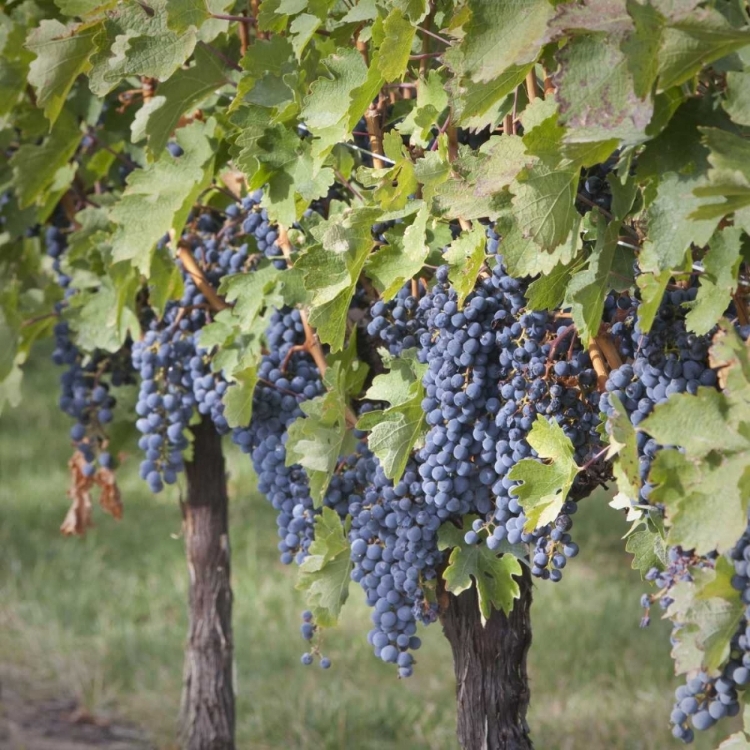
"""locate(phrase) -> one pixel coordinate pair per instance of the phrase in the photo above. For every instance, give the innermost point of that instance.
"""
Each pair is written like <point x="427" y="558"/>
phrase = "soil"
<point x="30" y="720"/>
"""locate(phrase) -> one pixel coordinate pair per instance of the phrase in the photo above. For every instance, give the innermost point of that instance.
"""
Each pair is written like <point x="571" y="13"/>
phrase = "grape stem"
<point x="558" y="340"/>
<point x="188" y="261"/>
<point x="609" y="350"/>
<point x="597" y="360"/>
<point x="594" y="459"/>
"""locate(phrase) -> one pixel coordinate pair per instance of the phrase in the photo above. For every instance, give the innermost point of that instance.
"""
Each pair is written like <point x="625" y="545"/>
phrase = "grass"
<point x="104" y="616"/>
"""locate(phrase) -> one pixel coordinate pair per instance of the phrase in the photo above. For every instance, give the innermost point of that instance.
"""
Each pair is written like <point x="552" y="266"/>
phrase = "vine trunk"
<point x="492" y="686"/>
<point x="207" y="716"/>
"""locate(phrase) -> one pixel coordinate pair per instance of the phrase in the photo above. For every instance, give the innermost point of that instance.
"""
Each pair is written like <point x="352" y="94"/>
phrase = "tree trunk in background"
<point x="492" y="687"/>
<point x="207" y="713"/>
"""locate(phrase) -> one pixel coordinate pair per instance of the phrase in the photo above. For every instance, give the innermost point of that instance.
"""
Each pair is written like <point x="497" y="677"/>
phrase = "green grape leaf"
<point x="706" y="504"/>
<point x="641" y="46"/>
<point x="623" y="443"/>
<point x="648" y="550"/>
<point x="326" y="110"/>
<point x="728" y="177"/>
<point x="62" y="54"/>
<point x="249" y="293"/>
<point x="238" y="399"/>
<point x="165" y="281"/>
<point x="103" y="318"/>
<point x="393" y="53"/>
<point x="545" y="189"/>
<point x="676" y="162"/>
<point x="737" y="100"/>
<point x="596" y="95"/>
<point x="13" y="76"/>
<point x="137" y="41"/>
<point x="182" y="14"/>
<point x="500" y="161"/>
<point x="670" y="230"/>
<point x="588" y="289"/>
<point x="545" y="486"/>
<point x="492" y="574"/>
<point x="432" y="100"/>
<point x="10" y="389"/>
<point x="324" y="573"/>
<point x="332" y="268"/>
<point x="35" y="166"/>
<point x="479" y="104"/>
<point x="521" y="255"/>
<point x="695" y="41"/>
<point x="316" y="441"/>
<point x="548" y="291"/>
<point x="544" y="204"/>
<point x="700" y="423"/>
<point x="402" y="258"/>
<point x="414" y="10"/>
<point x="498" y="35"/>
<point x="302" y="30"/>
<point x="718" y="282"/>
<point x="160" y="116"/>
<point x="395" y="431"/>
<point x="270" y="70"/>
<point x="165" y="192"/>
<point x="465" y="257"/>
<point x="652" y="292"/>
<point x="710" y="610"/>
<point x="705" y="489"/>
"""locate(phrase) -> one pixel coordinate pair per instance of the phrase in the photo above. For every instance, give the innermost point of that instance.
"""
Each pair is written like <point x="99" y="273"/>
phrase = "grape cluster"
<point x="308" y="630"/>
<point x="394" y="550"/>
<point x="286" y="378"/>
<point x="399" y="322"/>
<point x="494" y="366"/>
<point x="255" y="222"/>
<point x="85" y="385"/>
<point x="177" y="379"/>
<point x="667" y="360"/>
<point x="594" y="189"/>
<point x="678" y="569"/>
<point x="704" y="699"/>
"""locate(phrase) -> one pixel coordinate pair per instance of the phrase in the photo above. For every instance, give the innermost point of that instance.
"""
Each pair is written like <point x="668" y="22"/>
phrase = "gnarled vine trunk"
<point x="207" y="714"/>
<point x="492" y="687"/>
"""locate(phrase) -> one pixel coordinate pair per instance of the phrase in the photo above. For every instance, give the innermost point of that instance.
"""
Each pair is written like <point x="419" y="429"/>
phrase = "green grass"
<point x="104" y="616"/>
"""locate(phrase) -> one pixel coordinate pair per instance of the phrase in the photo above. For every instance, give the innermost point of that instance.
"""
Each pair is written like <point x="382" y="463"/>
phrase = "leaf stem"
<point x="220" y="55"/>
<point x="434" y="35"/>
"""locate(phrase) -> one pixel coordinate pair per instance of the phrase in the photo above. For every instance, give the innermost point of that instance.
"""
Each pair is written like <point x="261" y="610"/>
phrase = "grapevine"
<point x="439" y="270"/>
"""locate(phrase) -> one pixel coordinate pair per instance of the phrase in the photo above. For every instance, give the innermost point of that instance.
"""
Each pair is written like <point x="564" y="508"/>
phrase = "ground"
<point x="31" y="721"/>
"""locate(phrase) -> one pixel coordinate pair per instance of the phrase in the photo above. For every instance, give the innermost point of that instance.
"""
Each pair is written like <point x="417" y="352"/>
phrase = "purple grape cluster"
<point x="87" y="381"/>
<point x="667" y="360"/>
<point x="494" y="366"/>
